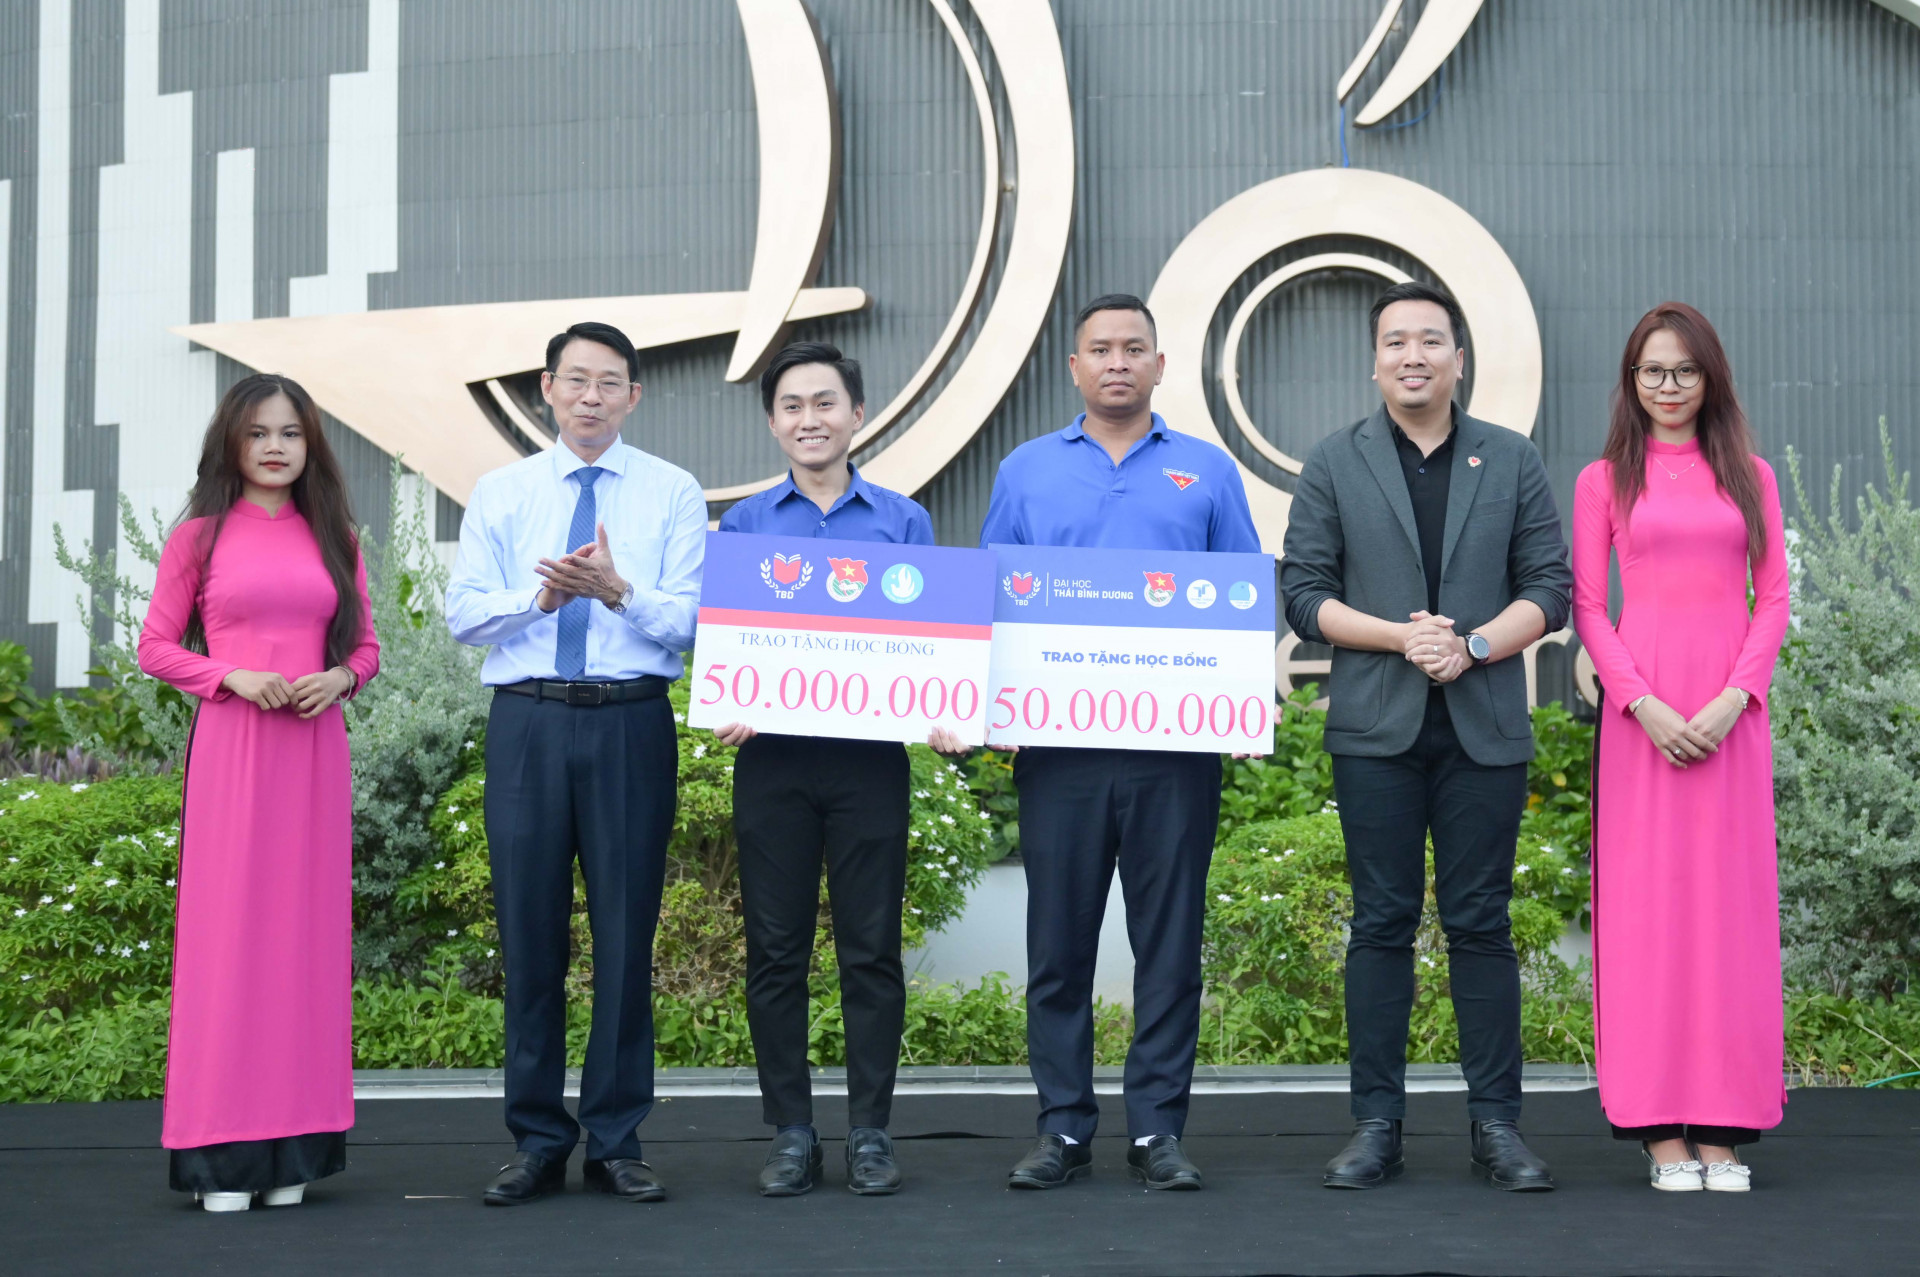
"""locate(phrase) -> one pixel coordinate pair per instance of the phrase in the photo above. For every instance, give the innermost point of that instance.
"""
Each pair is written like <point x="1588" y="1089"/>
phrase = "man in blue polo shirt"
<point x="1116" y="477"/>
<point x="798" y="800"/>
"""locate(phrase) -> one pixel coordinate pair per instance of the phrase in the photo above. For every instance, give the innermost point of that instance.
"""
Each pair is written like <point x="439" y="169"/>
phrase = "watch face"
<point x="1478" y="647"/>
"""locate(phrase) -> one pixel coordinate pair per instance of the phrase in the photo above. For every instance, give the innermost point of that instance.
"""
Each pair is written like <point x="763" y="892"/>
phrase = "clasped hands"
<point x="311" y="694"/>
<point x="587" y="573"/>
<point x="1688" y="740"/>
<point x="1430" y="643"/>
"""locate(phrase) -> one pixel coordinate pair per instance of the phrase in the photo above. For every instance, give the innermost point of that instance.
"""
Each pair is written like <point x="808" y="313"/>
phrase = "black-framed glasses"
<point x="1654" y="376"/>
<point x="611" y="387"/>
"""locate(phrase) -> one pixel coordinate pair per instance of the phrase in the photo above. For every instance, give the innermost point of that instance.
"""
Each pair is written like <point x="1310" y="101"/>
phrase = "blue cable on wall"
<point x="1440" y="87"/>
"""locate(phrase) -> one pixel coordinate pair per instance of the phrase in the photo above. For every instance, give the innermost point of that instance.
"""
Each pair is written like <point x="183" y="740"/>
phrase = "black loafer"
<point x="793" y="1167"/>
<point x="1371" y="1158"/>
<point x="1050" y="1163"/>
<point x="1161" y="1164"/>
<point x="527" y="1177"/>
<point x="1505" y="1161"/>
<point x="871" y="1171"/>
<point x="627" y="1178"/>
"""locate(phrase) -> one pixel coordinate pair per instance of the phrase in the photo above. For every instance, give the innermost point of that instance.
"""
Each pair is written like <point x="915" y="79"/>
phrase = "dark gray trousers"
<point x="1153" y="815"/>
<point x="1387" y="807"/>
<point x="597" y="783"/>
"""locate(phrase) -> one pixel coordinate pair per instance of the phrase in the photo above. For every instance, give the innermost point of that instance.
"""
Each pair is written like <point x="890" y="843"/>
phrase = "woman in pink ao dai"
<point x="260" y="610"/>
<point x="1686" y="914"/>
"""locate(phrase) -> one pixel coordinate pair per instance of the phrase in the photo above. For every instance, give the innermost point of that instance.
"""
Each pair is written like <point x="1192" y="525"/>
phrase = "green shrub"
<point x="1846" y="722"/>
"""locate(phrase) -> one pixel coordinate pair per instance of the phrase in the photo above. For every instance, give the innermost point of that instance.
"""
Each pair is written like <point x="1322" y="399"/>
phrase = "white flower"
<point x="461" y="827"/>
<point x="67" y="907"/>
<point x="1265" y="899"/>
<point x="126" y="952"/>
<point x="699" y="751"/>
<point x="78" y="789"/>
<point x="113" y="882"/>
<point x="72" y="887"/>
<point x="468" y="745"/>
<point x="983" y="815"/>
<point x="453" y="809"/>
<point x="99" y="948"/>
<point x="489" y="953"/>
<point x="31" y="794"/>
<point x="1424" y="958"/>
<point x="952" y="860"/>
<point x="483" y="782"/>
<point x="921" y="793"/>
<point x="171" y="882"/>
<point x="938" y="779"/>
<point x="1548" y="850"/>
<point x="946" y="820"/>
<point x="1287" y="852"/>
<point x="911" y="907"/>
<point x="19" y="913"/>
<point x="945" y="874"/>
<point x="451" y="934"/>
<point x="1263" y="852"/>
<point x="1566" y="871"/>
<point x="727" y="770"/>
<point x="46" y="900"/>
<point x="1225" y="899"/>
<point x="96" y="862"/>
<point x="933" y="864"/>
<point x="678" y="718"/>
<point x="26" y="977"/>
<point x="439" y="864"/>
<point x="145" y="945"/>
<point x="14" y="860"/>
<point x="1520" y="869"/>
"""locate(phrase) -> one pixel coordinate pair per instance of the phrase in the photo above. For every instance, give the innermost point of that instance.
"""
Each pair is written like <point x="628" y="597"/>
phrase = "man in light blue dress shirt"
<point x="581" y="567"/>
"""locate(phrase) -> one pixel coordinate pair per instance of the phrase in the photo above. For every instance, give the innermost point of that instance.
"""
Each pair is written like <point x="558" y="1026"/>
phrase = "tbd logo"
<point x="1019" y="587"/>
<point x="846" y="580"/>
<point x="785" y="574"/>
<point x="1160" y="588"/>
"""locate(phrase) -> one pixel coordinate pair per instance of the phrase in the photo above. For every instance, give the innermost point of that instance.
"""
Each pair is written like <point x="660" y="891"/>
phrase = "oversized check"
<point x="1132" y="649"/>
<point x="864" y="639"/>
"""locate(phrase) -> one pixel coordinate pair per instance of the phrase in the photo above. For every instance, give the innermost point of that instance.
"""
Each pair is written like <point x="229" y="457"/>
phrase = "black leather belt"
<point x="633" y="689"/>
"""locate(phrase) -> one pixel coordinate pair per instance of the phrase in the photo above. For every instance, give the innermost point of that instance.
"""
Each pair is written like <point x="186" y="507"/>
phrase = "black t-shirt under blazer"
<point x="1354" y="534"/>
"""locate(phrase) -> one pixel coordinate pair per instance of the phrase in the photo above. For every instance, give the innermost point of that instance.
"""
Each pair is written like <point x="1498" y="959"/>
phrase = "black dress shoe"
<point x="1370" y="1159"/>
<point x="793" y="1167"/>
<point x="1050" y="1163"/>
<point x="1160" y="1164"/>
<point x="625" y="1177"/>
<point x="527" y="1177"/>
<point x="870" y="1168"/>
<point x="1505" y="1160"/>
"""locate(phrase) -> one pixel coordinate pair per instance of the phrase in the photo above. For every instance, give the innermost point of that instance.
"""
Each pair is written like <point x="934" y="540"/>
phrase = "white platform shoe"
<point x="291" y="1195"/>
<point x="225" y="1201"/>
<point x="1729" y="1177"/>
<point x="1674" y="1177"/>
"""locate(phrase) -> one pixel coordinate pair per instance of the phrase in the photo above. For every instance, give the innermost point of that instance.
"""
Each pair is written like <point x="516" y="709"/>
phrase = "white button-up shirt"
<point x="656" y="520"/>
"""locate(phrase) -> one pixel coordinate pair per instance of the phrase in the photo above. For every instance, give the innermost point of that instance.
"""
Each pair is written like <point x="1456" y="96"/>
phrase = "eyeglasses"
<point x="1654" y="376"/>
<point x="610" y="387"/>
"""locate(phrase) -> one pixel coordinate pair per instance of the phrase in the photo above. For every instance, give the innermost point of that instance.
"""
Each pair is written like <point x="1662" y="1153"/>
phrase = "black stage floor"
<point x="1838" y="1191"/>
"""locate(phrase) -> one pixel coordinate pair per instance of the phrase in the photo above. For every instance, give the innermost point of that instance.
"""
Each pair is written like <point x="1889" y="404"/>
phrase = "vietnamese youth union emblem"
<point x="785" y="573"/>
<point x="1160" y="588"/>
<point x="847" y="578"/>
<point x="902" y="583"/>
<point x="1182" y="479"/>
<point x="1019" y="587"/>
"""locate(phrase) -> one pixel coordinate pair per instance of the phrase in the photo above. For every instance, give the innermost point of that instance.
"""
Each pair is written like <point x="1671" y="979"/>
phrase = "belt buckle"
<point x="587" y="694"/>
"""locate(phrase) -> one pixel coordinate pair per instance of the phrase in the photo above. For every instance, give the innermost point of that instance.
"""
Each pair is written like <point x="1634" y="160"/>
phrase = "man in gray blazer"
<point x="1424" y="546"/>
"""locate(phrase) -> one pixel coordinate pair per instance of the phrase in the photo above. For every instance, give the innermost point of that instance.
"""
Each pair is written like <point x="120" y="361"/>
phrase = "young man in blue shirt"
<point x="1116" y="477"/>
<point x="798" y="800"/>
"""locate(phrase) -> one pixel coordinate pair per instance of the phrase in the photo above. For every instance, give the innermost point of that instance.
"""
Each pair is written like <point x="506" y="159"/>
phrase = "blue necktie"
<point x="570" y="659"/>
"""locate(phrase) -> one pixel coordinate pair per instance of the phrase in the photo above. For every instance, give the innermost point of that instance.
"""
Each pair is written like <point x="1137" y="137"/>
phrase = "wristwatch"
<point x="1478" y="648"/>
<point x="620" y="604"/>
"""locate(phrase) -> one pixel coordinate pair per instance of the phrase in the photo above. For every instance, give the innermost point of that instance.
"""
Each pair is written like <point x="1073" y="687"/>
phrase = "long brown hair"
<point x="1726" y="440"/>
<point x="319" y="494"/>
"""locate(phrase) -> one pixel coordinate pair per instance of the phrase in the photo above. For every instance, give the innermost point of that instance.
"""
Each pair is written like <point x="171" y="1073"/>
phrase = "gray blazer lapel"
<point x="1464" y="481"/>
<point x="1376" y="445"/>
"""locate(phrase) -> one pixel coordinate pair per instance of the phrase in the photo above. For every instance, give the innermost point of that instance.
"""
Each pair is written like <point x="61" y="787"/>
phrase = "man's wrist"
<point x="619" y="595"/>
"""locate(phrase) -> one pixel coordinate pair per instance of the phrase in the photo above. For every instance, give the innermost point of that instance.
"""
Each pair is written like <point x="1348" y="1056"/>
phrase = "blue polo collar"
<point x="1078" y="430"/>
<point x="856" y="487"/>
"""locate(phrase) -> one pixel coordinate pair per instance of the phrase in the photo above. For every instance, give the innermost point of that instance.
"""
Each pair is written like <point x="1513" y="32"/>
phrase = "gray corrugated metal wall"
<point x="1756" y="157"/>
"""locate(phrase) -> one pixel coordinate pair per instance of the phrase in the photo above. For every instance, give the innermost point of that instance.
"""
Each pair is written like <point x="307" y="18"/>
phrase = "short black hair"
<point x="800" y="353"/>
<point x="1415" y="291"/>
<point x="601" y="335"/>
<point x="1114" y="301"/>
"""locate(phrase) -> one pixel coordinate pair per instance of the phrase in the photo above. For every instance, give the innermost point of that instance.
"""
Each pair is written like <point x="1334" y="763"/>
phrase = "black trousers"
<point x="598" y="783"/>
<point x="799" y="801"/>
<point x="1153" y="815"/>
<point x="1387" y="807"/>
<point x="1718" y="1136"/>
